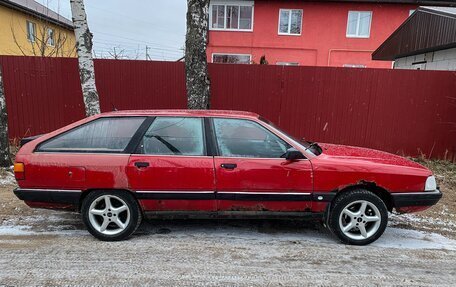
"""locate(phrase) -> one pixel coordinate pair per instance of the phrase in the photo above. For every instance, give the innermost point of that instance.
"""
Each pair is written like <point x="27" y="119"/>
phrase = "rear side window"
<point x="174" y="136"/>
<point x="102" y="135"/>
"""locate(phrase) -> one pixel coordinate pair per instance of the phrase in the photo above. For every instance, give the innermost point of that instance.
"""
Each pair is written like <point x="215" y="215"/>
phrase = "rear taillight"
<point x="19" y="170"/>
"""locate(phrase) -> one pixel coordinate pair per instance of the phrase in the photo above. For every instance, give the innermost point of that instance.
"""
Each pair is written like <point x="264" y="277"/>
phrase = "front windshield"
<point x="311" y="147"/>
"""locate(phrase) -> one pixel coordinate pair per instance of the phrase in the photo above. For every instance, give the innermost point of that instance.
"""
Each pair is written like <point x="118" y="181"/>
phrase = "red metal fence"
<point x="404" y="112"/>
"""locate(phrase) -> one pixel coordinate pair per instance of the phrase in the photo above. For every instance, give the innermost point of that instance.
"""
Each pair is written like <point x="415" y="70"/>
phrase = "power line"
<point x="133" y="44"/>
<point x="131" y="39"/>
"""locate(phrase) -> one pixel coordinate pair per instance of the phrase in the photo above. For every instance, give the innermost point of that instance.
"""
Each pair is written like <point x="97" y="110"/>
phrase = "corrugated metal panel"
<point x="426" y="30"/>
<point x="42" y="94"/>
<point x="400" y="111"/>
<point x="140" y="84"/>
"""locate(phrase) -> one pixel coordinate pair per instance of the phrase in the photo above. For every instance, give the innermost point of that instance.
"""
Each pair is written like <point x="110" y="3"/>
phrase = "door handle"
<point x="228" y="165"/>
<point x="141" y="164"/>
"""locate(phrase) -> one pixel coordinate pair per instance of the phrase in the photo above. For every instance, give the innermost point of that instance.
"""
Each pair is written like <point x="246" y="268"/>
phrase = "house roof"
<point x="36" y="9"/>
<point x="428" y="29"/>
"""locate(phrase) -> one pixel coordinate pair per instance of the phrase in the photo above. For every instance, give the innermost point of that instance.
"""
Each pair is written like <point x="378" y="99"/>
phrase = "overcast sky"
<point x="132" y="25"/>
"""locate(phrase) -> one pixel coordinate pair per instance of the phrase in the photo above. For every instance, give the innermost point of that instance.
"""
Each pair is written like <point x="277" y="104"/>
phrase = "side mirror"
<point x="293" y="154"/>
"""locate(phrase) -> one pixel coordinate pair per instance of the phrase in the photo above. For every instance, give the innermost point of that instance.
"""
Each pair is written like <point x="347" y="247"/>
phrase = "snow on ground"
<point x="6" y="178"/>
<point x="392" y="238"/>
<point x="219" y="253"/>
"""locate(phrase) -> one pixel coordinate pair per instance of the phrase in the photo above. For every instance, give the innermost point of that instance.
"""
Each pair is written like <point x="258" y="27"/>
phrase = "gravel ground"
<point x="48" y="248"/>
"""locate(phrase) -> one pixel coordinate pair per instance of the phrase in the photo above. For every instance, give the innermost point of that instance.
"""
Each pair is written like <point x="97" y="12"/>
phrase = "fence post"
<point x="5" y="159"/>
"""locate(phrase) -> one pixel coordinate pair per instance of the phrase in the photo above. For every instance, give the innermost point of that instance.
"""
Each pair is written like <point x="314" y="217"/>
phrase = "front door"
<point x="251" y="174"/>
<point x="170" y="171"/>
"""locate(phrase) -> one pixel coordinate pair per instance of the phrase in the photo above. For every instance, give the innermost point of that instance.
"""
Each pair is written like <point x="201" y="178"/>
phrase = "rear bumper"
<point x="70" y="197"/>
<point x="424" y="198"/>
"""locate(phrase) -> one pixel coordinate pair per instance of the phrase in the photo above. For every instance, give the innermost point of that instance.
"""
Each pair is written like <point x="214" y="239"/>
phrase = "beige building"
<point x="28" y="28"/>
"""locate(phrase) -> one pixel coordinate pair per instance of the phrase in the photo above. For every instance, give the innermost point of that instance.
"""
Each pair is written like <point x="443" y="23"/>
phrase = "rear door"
<point x="170" y="169"/>
<point x="92" y="155"/>
<point x="252" y="175"/>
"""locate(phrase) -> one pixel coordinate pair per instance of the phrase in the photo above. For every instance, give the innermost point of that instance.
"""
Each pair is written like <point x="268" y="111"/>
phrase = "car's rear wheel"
<point x="358" y="217"/>
<point x="111" y="215"/>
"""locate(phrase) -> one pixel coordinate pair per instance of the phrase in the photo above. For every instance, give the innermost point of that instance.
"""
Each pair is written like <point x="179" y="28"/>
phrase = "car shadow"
<point x="232" y="226"/>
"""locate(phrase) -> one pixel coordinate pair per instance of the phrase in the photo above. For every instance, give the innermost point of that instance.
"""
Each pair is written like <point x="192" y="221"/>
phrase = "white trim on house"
<point x="356" y="35"/>
<point x="289" y="22"/>
<point x="231" y="3"/>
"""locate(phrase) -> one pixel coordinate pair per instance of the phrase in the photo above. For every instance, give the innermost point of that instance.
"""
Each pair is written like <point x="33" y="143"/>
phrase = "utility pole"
<point x="147" y="53"/>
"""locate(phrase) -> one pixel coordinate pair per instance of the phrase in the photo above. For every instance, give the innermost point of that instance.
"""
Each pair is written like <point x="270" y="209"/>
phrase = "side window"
<point x="243" y="138"/>
<point x="101" y="135"/>
<point x="174" y="136"/>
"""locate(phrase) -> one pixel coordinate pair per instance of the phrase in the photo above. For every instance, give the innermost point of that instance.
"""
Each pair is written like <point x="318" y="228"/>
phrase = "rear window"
<point x="102" y="135"/>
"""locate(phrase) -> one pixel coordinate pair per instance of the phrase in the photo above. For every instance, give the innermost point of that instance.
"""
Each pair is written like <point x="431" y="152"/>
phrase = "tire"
<point x="111" y="215"/>
<point x="358" y="217"/>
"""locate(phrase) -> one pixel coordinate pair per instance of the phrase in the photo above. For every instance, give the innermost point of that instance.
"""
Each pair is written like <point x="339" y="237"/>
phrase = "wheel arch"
<point x="381" y="192"/>
<point x="89" y="191"/>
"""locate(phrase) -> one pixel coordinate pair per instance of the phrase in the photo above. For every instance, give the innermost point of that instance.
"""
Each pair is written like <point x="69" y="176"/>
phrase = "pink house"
<point x="300" y="32"/>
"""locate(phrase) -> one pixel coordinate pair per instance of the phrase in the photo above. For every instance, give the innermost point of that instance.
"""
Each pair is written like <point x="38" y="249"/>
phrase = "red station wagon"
<point x="116" y="168"/>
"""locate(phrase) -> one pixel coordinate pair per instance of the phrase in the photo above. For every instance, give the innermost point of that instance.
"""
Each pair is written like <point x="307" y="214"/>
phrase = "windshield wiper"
<point x="311" y="145"/>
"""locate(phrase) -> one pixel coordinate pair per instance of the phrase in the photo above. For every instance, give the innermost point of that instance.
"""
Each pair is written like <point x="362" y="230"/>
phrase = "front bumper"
<point x="423" y="198"/>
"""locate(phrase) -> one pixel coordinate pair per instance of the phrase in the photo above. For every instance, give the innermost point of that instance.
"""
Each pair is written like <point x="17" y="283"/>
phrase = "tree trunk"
<point x="197" y="78"/>
<point x="5" y="159"/>
<point x="84" y="49"/>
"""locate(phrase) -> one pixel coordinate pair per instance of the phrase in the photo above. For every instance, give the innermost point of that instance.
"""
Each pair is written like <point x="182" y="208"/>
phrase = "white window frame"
<point x="230" y="54"/>
<point x="231" y="3"/>
<point x="287" y="64"/>
<point x="357" y="25"/>
<point x="289" y="22"/>
<point x="32" y="24"/>
<point x="48" y="38"/>
<point x="356" y="66"/>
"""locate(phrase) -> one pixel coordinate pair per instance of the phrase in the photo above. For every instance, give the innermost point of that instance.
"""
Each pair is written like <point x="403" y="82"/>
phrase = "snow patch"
<point x="25" y="230"/>
<point x="16" y="230"/>
<point x="7" y="178"/>
<point x="422" y="222"/>
<point x="413" y="239"/>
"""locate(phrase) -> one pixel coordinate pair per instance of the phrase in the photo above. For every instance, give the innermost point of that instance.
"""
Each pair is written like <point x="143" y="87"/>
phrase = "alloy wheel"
<point x="360" y="220"/>
<point x="109" y="214"/>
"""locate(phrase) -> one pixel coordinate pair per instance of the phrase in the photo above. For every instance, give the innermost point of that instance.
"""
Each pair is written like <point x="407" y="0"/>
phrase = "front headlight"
<point x="431" y="184"/>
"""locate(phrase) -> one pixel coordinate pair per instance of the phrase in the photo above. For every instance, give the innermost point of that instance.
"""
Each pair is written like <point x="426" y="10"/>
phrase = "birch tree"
<point x="197" y="78"/>
<point x="84" y="47"/>
<point x="5" y="159"/>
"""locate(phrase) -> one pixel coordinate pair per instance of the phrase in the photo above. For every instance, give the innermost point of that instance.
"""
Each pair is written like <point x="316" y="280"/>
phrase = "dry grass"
<point x="440" y="218"/>
<point x="14" y="148"/>
<point x="445" y="173"/>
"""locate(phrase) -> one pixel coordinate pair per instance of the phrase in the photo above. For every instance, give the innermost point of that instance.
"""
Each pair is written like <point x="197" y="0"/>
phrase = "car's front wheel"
<point x="358" y="217"/>
<point x="111" y="215"/>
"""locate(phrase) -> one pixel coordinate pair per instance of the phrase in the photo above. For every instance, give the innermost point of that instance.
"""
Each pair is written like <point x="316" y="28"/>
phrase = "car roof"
<point x="182" y="112"/>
